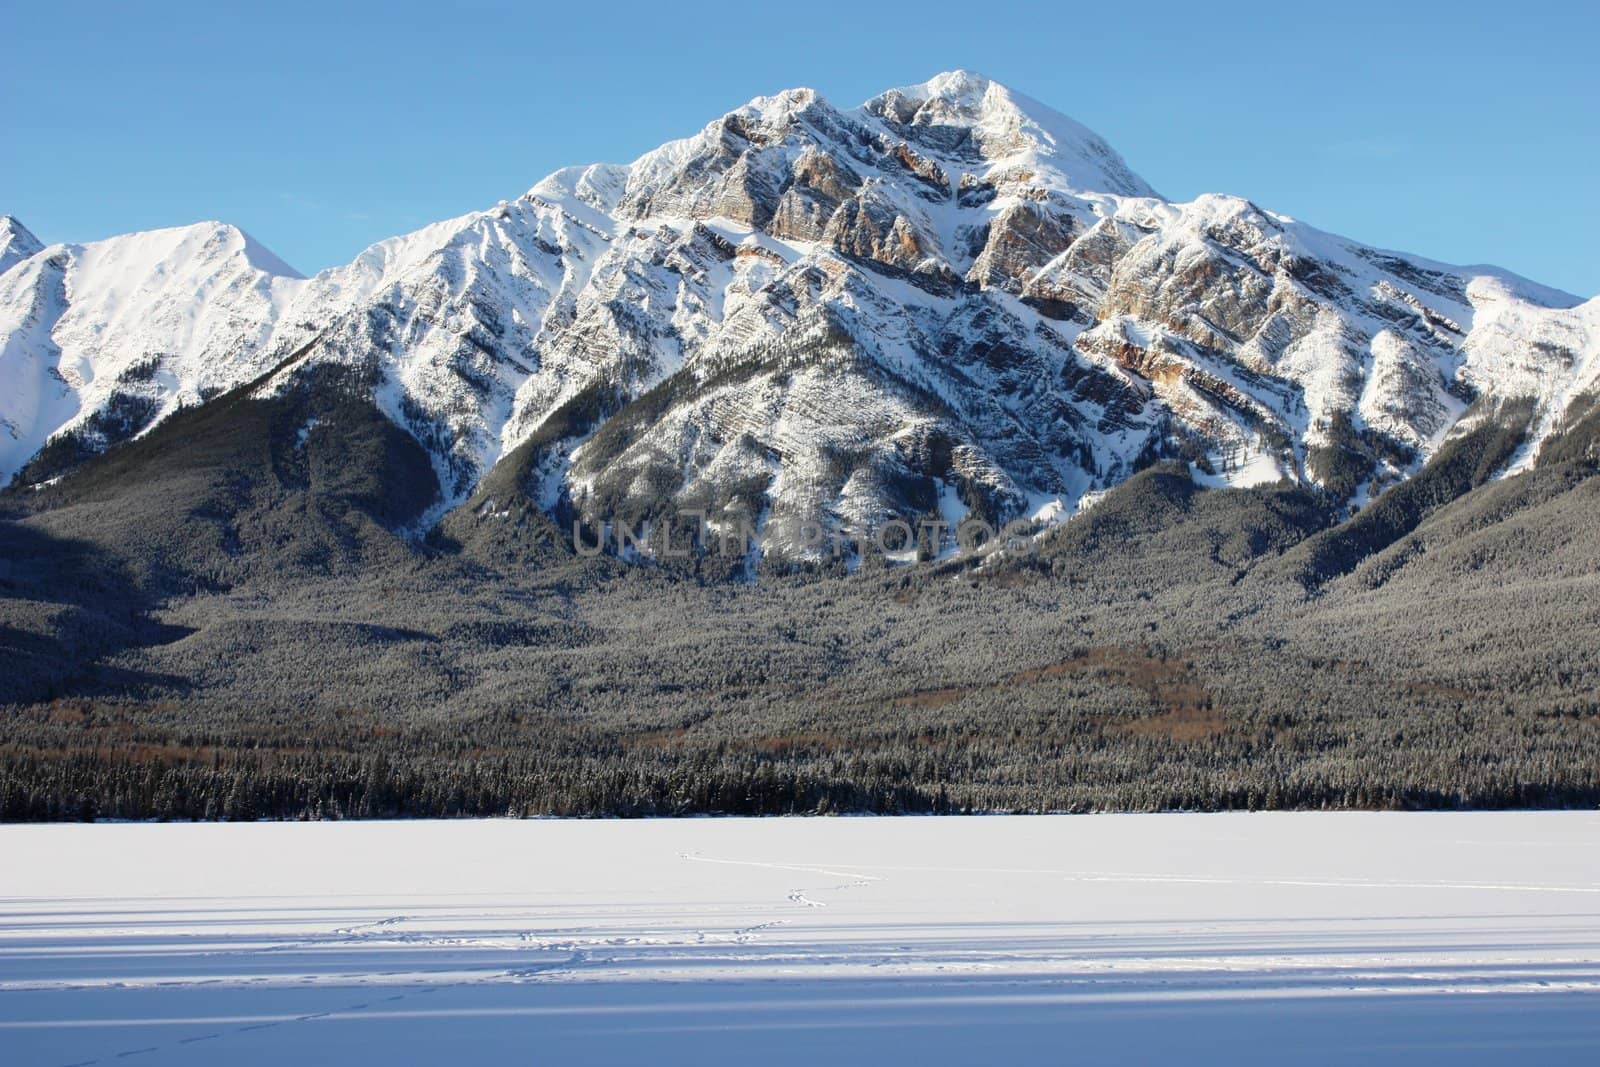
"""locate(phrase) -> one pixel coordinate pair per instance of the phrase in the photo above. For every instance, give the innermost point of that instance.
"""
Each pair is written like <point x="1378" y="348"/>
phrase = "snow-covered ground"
<point x="1231" y="938"/>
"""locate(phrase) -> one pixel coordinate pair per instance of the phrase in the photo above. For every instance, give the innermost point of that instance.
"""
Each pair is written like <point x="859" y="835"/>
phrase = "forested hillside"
<point x="1163" y="650"/>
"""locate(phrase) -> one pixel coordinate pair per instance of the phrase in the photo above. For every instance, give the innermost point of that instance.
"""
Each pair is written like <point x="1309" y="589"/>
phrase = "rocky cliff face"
<point x="949" y="299"/>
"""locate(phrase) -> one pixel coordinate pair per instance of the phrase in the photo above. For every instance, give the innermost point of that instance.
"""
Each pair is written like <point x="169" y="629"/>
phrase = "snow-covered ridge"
<point x="949" y="291"/>
<point x="16" y="243"/>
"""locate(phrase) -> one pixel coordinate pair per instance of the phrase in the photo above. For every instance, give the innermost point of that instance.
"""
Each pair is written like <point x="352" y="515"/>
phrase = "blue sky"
<point x="1466" y="131"/>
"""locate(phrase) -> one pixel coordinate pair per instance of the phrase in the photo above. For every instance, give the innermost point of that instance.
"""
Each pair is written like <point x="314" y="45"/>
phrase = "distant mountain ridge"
<point x="951" y="300"/>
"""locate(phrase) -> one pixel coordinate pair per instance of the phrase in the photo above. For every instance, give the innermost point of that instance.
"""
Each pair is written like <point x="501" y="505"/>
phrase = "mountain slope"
<point x="948" y="300"/>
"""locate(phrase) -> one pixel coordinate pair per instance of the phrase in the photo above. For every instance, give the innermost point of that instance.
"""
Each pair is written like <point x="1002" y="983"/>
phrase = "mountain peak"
<point x="255" y="253"/>
<point x="960" y="107"/>
<point x="957" y="85"/>
<point x="17" y="243"/>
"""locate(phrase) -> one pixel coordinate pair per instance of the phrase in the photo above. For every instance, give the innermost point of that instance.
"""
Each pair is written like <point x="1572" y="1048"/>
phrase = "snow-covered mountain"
<point x="948" y="298"/>
<point x="101" y="341"/>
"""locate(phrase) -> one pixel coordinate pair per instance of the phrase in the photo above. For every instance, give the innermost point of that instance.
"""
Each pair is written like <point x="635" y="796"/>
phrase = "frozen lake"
<point x="1473" y="938"/>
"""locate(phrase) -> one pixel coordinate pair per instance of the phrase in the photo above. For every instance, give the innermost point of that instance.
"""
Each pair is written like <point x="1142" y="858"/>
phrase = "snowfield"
<point x="1462" y="938"/>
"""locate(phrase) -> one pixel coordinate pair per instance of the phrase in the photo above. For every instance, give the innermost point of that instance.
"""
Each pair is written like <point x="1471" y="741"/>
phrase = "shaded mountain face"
<point x="949" y="300"/>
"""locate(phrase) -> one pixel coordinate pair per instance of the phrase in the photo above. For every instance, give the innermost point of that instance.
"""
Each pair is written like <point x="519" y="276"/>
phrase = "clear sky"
<point x="1463" y="131"/>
